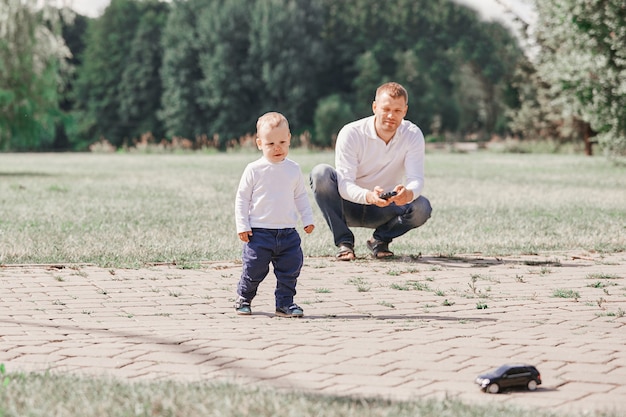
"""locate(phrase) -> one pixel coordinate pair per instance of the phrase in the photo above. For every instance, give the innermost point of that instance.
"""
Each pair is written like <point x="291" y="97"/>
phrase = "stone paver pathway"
<point x="402" y="329"/>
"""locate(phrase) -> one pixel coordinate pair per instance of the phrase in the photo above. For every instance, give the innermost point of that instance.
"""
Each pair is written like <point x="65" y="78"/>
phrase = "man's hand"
<point x="308" y="229"/>
<point x="245" y="236"/>
<point x="373" y="197"/>
<point x="402" y="197"/>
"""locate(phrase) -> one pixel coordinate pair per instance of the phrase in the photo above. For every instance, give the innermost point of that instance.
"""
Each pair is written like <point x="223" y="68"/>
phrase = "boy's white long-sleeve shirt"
<point x="363" y="160"/>
<point x="271" y="196"/>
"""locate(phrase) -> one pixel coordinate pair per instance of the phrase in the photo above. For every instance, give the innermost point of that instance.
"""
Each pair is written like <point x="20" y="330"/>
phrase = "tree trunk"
<point x="588" y="133"/>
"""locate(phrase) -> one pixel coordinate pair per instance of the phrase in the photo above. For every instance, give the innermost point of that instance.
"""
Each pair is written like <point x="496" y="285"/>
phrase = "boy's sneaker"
<point x="242" y="307"/>
<point x="293" y="310"/>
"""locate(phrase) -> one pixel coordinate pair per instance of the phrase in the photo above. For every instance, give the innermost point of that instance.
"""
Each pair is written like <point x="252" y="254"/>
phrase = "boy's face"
<point x="274" y="142"/>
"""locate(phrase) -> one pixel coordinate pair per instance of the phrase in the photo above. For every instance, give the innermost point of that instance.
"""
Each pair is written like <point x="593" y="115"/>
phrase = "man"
<point x="373" y="156"/>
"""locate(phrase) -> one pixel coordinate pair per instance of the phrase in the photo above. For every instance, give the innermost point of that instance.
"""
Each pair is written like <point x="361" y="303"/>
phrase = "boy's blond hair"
<point x="271" y="120"/>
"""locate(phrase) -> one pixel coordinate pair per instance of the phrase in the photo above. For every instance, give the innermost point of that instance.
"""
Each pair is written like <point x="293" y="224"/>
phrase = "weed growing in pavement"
<point x="386" y="304"/>
<point x="410" y="285"/>
<point x="601" y="284"/>
<point x="561" y="293"/>
<point x="617" y="314"/>
<point x="481" y="306"/>
<point x="361" y="284"/>
<point x="472" y="283"/>
<point x="603" y="276"/>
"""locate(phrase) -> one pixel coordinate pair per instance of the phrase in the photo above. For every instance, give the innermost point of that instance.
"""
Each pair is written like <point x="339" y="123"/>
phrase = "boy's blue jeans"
<point x="388" y="222"/>
<point x="281" y="248"/>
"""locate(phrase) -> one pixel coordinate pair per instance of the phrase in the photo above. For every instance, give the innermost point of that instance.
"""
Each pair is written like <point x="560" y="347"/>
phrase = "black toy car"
<point x="510" y="376"/>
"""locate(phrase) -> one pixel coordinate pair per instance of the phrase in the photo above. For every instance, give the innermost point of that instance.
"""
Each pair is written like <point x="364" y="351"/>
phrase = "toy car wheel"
<point x="493" y="388"/>
<point x="532" y="385"/>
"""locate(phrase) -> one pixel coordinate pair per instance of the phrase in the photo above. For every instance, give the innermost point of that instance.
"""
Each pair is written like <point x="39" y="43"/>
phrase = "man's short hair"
<point x="394" y="90"/>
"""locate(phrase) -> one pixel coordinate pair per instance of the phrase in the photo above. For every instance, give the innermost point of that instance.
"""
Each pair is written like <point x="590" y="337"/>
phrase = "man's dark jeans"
<point x="388" y="222"/>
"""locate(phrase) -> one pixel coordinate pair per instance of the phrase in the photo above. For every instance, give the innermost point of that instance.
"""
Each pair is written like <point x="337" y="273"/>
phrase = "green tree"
<point x="439" y="50"/>
<point x="222" y="64"/>
<point x="369" y="77"/>
<point x="331" y="114"/>
<point x="98" y="88"/>
<point x="33" y="68"/>
<point x="286" y="47"/>
<point x="230" y="83"/>
<point x="183" y="112"/>
<point x="140" y="87"/>
<point x="491" y="55"/>
<point x="582" y="61"/>
<point x="73" y="29"/>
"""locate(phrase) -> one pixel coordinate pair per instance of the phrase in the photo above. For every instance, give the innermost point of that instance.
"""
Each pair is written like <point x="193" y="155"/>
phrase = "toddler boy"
<point x="270" y="197"/>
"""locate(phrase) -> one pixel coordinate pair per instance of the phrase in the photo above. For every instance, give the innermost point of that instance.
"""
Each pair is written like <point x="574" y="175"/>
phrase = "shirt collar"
<point x="371" y="131"/>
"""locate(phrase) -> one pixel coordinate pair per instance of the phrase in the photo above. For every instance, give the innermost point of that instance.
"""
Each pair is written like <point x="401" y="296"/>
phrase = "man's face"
<point x="274" y="142"/>
<point x="388" y="114"/>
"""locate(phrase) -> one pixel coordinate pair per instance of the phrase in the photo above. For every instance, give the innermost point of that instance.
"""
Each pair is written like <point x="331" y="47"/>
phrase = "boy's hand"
<point x="245" y="236"/>
<point x="309" y="228"/>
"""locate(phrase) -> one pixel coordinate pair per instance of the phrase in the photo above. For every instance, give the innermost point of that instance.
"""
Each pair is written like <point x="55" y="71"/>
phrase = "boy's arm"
<point x="243" y="198"/>
<point x="302" y="203"/>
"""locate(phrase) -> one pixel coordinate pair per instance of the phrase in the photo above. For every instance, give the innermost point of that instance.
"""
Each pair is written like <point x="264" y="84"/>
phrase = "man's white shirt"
<point x="363" y="160"/>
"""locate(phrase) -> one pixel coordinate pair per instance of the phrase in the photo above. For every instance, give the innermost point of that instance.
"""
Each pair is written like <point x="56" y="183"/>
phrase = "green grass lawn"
<point x="132" y="209"/>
